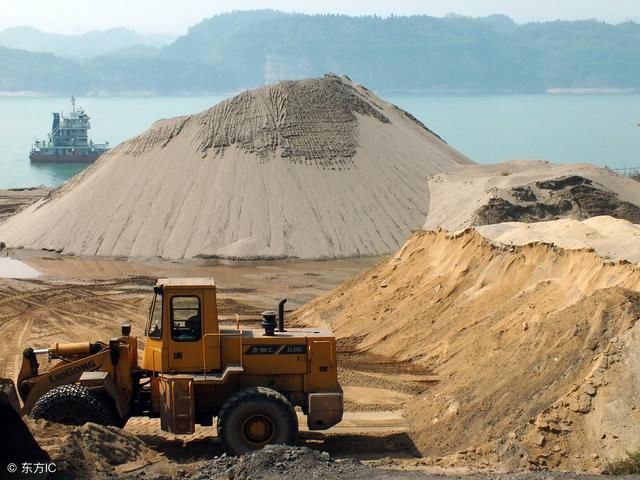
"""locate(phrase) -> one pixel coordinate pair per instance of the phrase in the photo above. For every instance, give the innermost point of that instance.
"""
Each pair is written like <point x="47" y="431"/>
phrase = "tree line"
<point x="241" y="50"/>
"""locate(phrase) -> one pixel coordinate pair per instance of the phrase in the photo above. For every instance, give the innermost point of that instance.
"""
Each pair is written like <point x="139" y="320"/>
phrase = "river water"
<point x="598" y="129"/>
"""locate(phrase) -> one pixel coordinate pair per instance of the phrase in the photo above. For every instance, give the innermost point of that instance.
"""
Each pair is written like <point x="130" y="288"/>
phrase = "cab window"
<point x="155" y="318"/>
<point x="185" y="319"/>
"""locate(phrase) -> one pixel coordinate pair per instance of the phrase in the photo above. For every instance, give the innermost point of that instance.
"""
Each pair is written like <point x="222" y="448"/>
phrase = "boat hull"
<point x="67" y="158"/>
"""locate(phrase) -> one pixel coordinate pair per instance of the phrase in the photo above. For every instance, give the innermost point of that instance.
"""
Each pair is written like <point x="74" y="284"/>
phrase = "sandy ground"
<point x="261" y="284"/>
<point x="78" y="299"/>
<point x="93" y="451"/>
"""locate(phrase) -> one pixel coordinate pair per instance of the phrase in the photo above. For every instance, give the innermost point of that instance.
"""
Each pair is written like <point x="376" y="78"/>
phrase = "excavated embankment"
<point x="529" y="192"/>
<point x="535" y="347"/>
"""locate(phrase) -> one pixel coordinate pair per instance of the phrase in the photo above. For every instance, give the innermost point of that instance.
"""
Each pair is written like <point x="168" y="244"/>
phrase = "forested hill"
<point x="418" y="53"/>
<point x="85" y="45"/>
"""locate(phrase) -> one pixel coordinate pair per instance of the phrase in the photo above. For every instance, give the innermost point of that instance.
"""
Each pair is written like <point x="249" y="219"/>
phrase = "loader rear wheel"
<point x="256" y="417"/>
<point x="73" y="405"/>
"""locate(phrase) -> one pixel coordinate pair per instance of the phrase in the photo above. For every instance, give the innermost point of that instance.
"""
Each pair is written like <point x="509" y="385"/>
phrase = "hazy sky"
<point x="175" y="16"/>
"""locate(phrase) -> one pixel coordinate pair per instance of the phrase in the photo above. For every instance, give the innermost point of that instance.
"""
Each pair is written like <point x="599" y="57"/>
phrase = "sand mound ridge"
<point x="312" y="122"/>
<point x="535" y="347"/>
<point x="529" y="191"/>
<point x="318" y="168"/>
<point x="609" y="237"/>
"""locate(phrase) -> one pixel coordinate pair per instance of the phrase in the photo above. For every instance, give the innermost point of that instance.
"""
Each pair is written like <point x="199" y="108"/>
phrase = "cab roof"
<point x="186" y="282"/>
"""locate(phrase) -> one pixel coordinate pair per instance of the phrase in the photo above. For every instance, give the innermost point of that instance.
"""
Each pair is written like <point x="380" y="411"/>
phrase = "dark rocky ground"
<point x="276" y="462"/>
<point x="565" y="197"/>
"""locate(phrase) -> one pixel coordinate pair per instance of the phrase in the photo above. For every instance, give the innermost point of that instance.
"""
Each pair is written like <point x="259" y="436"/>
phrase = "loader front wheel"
<point x="73" y="405"/>
<point x="256" y="417"/>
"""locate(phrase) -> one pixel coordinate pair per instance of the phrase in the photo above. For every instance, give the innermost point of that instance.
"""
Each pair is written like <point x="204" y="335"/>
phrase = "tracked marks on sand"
<point x="66" y="313"/>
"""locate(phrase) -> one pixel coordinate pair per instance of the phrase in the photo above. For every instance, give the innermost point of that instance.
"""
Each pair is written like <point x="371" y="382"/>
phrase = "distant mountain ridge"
<point x="243" y="50"/>
<point x="90" y="44"/>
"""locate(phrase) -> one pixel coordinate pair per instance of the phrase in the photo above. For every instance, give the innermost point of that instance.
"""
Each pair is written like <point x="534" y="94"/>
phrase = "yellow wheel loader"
<point x="193" y="370"/>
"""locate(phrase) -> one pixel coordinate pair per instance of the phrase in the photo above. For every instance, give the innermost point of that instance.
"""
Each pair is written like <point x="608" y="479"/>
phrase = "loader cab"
<point x="182" y="328"/>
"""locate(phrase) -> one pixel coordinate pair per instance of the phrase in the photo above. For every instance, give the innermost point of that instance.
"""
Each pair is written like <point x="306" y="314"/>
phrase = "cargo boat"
<point x="68" y="140"/>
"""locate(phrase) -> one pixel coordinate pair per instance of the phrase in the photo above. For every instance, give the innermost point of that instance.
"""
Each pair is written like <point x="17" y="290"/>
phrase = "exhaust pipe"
<point x="281" y="315"/>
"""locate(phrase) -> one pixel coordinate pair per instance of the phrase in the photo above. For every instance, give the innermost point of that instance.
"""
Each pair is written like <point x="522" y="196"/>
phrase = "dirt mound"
<point x="281" y="461"/>
<point x="91" y="451"/>
<point x="318" y="168"/>
<point x="535" y="347"/>
<point x="609" y="237"/>
<point x="529" y="192"/>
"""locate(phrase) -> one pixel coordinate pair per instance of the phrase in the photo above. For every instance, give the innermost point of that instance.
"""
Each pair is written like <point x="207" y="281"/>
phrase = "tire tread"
<point x="67" y="399"/>
<point x="256" y="395"/>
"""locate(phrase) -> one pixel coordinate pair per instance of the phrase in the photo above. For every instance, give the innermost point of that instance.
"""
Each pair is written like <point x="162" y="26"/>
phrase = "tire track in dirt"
<point x="52" y="306"/>
<point x="62" y="313"/>
<point x="36" y="307"/>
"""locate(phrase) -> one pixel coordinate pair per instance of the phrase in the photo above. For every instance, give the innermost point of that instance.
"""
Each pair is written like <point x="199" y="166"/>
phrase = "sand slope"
<point x="535" y="347"/>
<point x="529" y="191"/>
<point x="609" y="237"/>
<point x="317" y="168"/>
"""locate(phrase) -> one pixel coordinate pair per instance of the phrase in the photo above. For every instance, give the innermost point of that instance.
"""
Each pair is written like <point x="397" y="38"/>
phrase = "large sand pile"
<point x="529" y="191"/>
<point x="535" y="347"/>
<point x="317" y="168"/>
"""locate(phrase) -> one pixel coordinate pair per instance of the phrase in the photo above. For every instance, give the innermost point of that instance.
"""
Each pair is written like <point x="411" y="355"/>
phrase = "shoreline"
<point x="382" y="91"/>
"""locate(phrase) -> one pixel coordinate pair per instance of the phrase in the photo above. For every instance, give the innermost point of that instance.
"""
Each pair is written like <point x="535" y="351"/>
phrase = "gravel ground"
<point x="276" y="462"/>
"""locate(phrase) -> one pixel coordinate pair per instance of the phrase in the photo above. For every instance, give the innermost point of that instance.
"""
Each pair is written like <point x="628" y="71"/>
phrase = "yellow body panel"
<point x="231" y="348"/>
<point x="277" y="355"/>
<point x="323" y="366"/>
<point x="155" y="356"/>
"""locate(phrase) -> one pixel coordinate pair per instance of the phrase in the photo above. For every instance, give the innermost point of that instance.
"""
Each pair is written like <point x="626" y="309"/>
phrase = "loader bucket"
<point x="19" y="445"/>
<point x="9" y="394"/>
